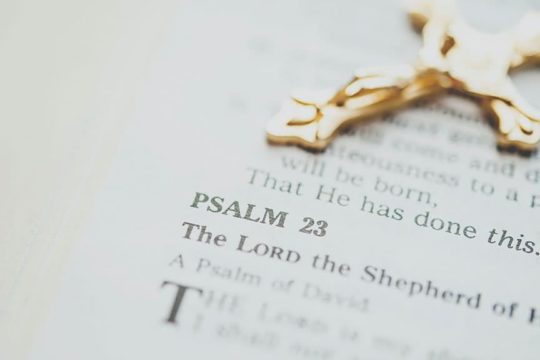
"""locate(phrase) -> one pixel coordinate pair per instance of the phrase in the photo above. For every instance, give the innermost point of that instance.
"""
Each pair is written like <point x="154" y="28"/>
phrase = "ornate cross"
<point x="454" y="56"/>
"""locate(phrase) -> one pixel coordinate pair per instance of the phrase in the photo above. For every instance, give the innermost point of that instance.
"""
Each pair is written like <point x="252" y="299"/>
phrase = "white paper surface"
<point x="195" y="135"/>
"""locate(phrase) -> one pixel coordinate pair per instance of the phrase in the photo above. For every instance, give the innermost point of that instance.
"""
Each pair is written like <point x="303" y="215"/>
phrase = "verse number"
<point x="317" y="228"/>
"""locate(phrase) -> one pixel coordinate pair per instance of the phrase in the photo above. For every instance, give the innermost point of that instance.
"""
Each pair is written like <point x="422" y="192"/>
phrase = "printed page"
<point x="411" y="237"/>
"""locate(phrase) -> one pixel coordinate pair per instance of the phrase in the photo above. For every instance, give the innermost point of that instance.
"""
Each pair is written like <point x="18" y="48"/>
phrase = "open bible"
<point x="146" y="216"/>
